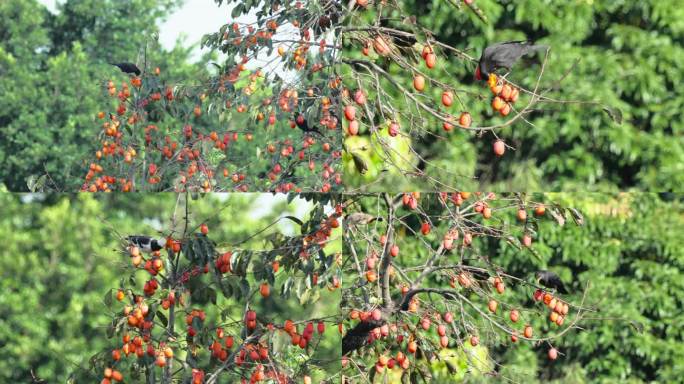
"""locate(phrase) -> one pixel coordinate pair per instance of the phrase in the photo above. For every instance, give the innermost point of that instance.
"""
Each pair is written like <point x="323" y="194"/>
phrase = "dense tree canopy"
<point x="72" y="264"/>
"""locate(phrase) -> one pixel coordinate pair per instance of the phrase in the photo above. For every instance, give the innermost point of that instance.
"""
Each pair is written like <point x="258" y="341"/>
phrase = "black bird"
<point x="551" y="280"/>
<point x="127" y="68"/>
<point x="358" y="336"/>
<point x="503" y="55"/>
<point x="146" y="243"/>
<point x="304" y="125"/>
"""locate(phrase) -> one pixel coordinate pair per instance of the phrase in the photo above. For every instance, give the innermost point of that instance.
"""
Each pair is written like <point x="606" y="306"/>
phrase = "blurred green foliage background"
<point x="626" y="54"/>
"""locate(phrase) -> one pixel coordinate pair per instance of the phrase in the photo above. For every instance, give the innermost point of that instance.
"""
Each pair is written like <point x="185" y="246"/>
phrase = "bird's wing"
<point x="504" y="55"/>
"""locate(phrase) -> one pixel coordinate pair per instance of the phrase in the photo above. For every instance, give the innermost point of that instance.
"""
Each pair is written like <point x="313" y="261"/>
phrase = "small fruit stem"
<point x="169" y="364"/>
<point x="386" y="258"/>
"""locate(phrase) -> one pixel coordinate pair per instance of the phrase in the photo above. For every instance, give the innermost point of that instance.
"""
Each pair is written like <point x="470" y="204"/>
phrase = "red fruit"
<point x="474" y="341"/>
<point x="441" y="330"/>
<point x="538" y="295"/>
<point x="360" y="97"/>
<point x="465" y="120"/>
<point x="265" y="290"/>
<point x="425" y="228"/>
<point x="380" y="46"/>
<point x="528" y="332"/>
<point x="444" y="341"/>
<point x="499" y="147"/>
<point x="376" y="314"/>
<point x="487" y="212"/>
<point x="447" y="98"/>
<point x="493" y="305"/>
<point x="419" y="83"/>
<point x="515" y="315"/>
<point x="394" y="250"/>
<point x="353" y="128"/>
<point x="498" y="103"/>
<point x="350" y="112"/>
<point x="522" y="214"/>
<point x="430" y="60"/>
<point x="393" y="129"/>
<point x="506" y="91"/>
<point x="117" y="376"/>
<point x="204" y="229"/>
<point x="553" y="353"/>
<point x="448" y="317"/>
<point x="505" y="110"/>
<point x="527" y="240"/>
<point x="514" y="95"/>
<point x="539" y="210"/>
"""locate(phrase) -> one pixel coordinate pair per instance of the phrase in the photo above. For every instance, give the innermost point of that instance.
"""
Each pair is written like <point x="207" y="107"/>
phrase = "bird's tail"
<point x="535" y="47"/>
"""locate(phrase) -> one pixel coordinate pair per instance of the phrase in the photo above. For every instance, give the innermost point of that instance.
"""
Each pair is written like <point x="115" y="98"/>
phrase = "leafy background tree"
<point x="62" y="260"/>
<point x="53" y="68"/>
<point x="624" y="54"/>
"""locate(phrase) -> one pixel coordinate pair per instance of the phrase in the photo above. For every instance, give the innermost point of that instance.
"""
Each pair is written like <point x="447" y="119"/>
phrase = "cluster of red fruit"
<point x="219" y="351"/>
<point x="303" y="339"/>
<point x="222" y="262"/>
<point x="559" y="309"/>
<point x="140" y="347"/>
<point x="505" y="95"/>
<point x="320" y="237"/>
<point x="195" y="313"/>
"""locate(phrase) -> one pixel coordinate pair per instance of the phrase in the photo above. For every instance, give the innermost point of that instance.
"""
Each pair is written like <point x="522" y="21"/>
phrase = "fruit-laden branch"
<point x="386" y="260"/>
<point x="254" y="338"/>
<point x="452" y="294"/>
<point x="447" y="119"/>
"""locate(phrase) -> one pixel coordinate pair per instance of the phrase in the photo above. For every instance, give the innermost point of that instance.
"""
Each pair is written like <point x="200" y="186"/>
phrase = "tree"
<point x="425" y="293"/>
<point x="52" y="67"/>
<point x="240" y="128"/>
<point x="208" y="308"/>
<point x="558" y="145"/>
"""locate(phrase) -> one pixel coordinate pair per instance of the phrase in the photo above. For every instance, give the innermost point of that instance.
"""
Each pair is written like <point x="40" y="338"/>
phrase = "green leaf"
<point x="108" y="298"/>
<point x="296" y="220"/>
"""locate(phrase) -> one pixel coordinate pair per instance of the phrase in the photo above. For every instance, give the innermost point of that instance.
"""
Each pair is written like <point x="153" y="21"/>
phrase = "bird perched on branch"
<point x="361" y="218"/>
<point x="550" y="280"/>
<point x="503" y="55"/>
<point x="357" y="337"/>
<point x="304" y="125"/>
<point x="146" y="243"/>
<point x="128" y="68"/>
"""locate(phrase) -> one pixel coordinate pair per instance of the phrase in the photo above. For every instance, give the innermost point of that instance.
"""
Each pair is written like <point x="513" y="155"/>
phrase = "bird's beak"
<point x="478" y="75"/>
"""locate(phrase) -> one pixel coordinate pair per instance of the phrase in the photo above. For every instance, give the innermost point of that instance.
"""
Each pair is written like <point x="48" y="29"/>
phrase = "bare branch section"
<point x="440" y="285"/>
